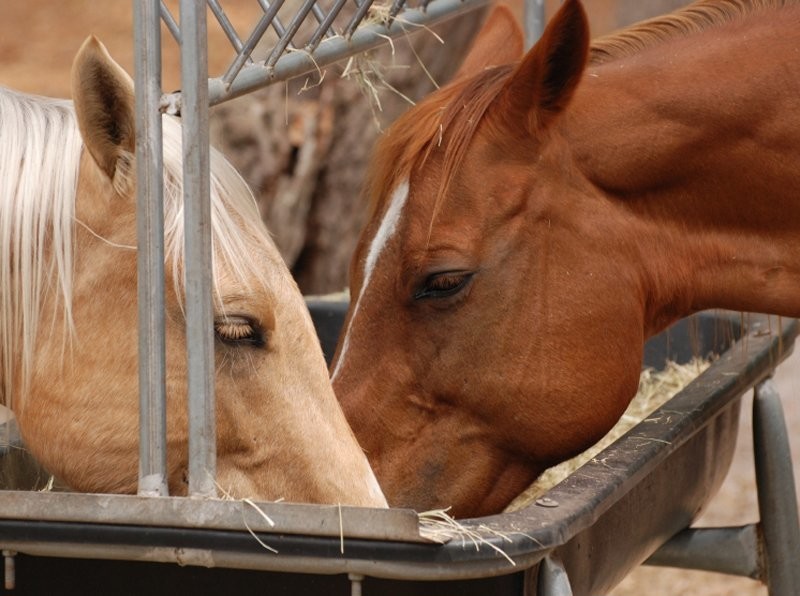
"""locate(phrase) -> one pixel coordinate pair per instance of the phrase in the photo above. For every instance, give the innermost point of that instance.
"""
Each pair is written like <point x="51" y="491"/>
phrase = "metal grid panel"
<point x="290" y="38"/>
<point x="294" y="37"/>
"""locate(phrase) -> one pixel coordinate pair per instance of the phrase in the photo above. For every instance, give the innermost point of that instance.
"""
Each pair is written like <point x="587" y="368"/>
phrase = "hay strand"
<point x="439" y="526"/>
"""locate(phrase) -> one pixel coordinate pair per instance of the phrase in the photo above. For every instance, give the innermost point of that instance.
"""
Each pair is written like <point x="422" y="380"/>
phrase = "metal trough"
<point x="605" y="519"/>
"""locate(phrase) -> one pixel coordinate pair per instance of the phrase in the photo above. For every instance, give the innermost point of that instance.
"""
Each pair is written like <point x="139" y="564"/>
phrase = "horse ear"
<point x="499" y="41"/>
<point x="545" y="80"/>
<point x="104" y="106"/>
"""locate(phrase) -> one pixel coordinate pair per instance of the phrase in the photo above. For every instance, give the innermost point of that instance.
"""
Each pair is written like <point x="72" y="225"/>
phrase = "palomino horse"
<point x="535" y="221"/>
<point x="68" y="311"/>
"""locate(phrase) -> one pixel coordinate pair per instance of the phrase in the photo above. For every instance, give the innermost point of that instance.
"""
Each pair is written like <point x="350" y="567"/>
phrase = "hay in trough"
<point x="656" y="387"/>
<point x="440" y="527"/>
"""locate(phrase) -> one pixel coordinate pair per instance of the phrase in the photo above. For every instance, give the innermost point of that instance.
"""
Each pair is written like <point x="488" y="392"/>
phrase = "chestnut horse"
<point x="68" y="347"/>
<point x="536" y="220"/>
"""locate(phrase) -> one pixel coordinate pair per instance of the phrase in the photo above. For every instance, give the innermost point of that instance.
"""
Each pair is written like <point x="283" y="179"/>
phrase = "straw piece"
<point x="440" y="527"/>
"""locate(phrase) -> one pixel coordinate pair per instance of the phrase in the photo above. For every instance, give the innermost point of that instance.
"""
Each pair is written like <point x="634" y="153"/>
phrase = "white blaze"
<point x="385" y="232"/>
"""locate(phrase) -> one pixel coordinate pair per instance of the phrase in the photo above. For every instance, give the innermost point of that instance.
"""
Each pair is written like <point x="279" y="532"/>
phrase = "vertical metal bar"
<point x="197" y="218"/>
<point x="777" y="497"/>
<point x="553" y="579"/>
<point x="9" y="570"/>
<point x="534" y="21"/>
<point x="150" y="240"/>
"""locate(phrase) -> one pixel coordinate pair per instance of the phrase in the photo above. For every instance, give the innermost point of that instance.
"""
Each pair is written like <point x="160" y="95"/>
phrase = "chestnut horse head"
<point x="68" y="316"/>
<point x="537" y="219"/>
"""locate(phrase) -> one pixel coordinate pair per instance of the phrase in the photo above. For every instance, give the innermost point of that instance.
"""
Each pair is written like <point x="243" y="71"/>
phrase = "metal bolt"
<point x="546" y="502"/>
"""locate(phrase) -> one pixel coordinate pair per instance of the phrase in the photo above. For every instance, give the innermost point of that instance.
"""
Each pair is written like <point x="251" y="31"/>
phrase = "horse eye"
<point x="239" y="331"/>
<point x="443" y="285"/>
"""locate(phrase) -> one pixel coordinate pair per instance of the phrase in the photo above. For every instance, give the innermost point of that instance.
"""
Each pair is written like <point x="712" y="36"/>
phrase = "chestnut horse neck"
<point x="702" y="155"/>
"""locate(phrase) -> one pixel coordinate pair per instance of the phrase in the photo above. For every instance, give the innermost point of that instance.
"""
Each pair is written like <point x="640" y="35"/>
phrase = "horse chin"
<point x="483" y="485"/>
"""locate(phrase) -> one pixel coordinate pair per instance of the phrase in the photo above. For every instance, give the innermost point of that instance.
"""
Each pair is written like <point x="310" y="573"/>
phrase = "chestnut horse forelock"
<point x="450" y="120"/>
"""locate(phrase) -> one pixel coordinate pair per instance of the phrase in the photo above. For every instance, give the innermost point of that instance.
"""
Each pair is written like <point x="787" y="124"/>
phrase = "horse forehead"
<point x="387" y="224"/>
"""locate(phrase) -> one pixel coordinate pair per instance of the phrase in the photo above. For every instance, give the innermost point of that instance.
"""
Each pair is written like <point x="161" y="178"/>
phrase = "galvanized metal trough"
<point x="605" y="519"/>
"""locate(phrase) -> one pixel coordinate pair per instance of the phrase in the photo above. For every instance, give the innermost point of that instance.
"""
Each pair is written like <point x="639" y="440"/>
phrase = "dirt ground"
<point x="735" y="504"/>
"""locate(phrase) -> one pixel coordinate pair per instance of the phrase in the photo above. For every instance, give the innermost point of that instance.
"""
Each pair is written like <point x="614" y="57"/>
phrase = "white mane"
<point x="40" y="150"/>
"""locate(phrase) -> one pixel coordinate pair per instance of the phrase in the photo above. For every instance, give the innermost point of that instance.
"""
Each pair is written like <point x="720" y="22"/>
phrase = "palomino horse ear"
<point x="104" y="106"/>
<point x="545" y="80"/>
<point x="500" y="41"/>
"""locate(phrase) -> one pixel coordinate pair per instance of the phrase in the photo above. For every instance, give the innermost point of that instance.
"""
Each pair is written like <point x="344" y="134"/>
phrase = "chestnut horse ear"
<point x="104" y="106"/>
<point x="545" y="81"/>
<point x="499" y="41"/>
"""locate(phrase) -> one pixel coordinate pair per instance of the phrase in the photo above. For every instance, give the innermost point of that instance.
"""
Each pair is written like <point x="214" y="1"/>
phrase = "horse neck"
<point x="700" y="151"/>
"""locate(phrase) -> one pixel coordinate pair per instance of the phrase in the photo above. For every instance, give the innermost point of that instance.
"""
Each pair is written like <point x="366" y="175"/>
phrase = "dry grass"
<point x="370" y="75"/>
<point x="438" y="526"/>
<point x="655" y="389"/>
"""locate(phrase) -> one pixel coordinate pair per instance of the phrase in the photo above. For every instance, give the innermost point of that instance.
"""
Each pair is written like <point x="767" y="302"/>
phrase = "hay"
<point x="370" y="74"/>
<point x="440" y="527"/>
<point x="655" y="389"/>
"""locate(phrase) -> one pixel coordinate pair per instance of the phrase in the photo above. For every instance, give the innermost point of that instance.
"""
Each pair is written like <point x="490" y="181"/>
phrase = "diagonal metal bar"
<point x="397" y="5"/>
<point x="325" y="26"/>
<point x="319" y="14"/>
<point x="357" y="18"/>
<point x="169" y="21"/>
<point x="252" y="41"/>
<point x="276" y="22"/>
<point x="294" y="25"/>
<point x="226" y="25"/>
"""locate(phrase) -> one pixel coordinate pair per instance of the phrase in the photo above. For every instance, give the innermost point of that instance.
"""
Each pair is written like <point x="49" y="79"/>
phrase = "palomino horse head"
<point x="486" y="338"/>
<point x="68" y="311"/>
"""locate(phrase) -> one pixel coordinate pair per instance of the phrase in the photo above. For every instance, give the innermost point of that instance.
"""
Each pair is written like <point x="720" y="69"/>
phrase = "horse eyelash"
<point x="241" y="332"/>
